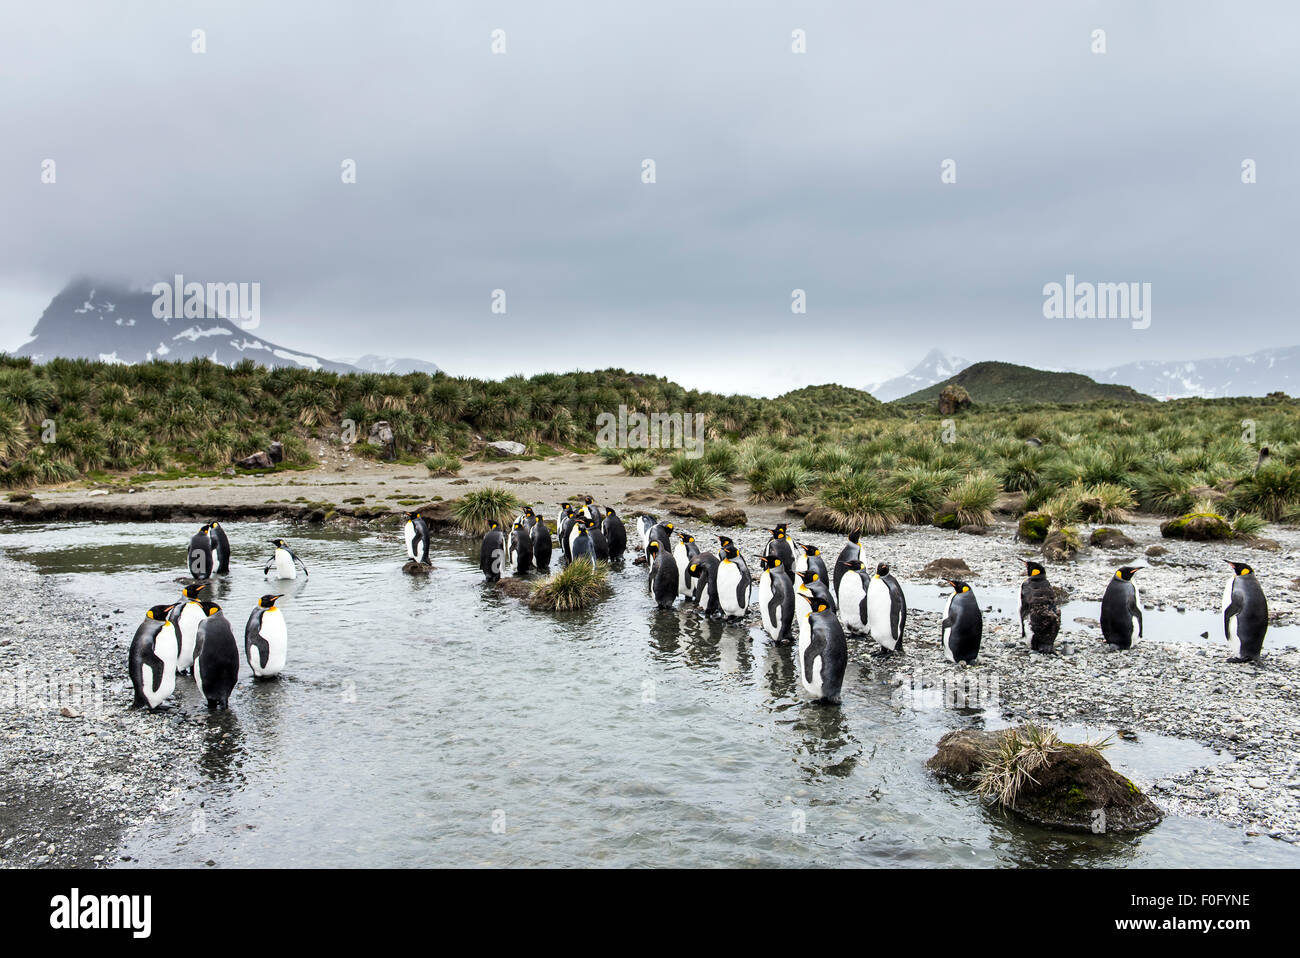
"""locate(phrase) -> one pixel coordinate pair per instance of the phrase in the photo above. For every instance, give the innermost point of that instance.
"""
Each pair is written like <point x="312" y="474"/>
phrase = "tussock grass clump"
<point x="1019" y="754"/>
<point x="637" y="463"/>
<point x="443" y="464"/>
<point x="1273" y="492"/>
<point x="973" y="498"/>
<point x="786" y="481"/>
<point x="1106" y="502"/>
<point x="1247" y="525"/>
<point x="694" y="479"/>
<point x="475" y="510"/>
<point x="920" y="491"/>
<point x="579" y="585"/>
<point x="856" y="500"/>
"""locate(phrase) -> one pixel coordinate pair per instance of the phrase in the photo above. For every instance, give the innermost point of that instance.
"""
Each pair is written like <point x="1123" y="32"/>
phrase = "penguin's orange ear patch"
<point x="821" y="607"/>
<point x="965" y="588"/>
<point x="1034" y="571"/>
<point x="1119" y="575"/>
<point x="776" y="562"/>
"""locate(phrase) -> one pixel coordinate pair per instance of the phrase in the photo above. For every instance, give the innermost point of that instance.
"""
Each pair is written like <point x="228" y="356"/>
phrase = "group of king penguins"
<point x="801" y="601"/>
<point x="193" y="636"/>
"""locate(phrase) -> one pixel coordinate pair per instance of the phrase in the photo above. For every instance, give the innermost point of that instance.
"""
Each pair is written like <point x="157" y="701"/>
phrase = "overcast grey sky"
<point x="775" y="171"/>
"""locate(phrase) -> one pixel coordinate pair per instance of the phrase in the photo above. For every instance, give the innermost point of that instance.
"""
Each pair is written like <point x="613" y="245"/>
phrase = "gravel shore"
<point x="80" y="770"/>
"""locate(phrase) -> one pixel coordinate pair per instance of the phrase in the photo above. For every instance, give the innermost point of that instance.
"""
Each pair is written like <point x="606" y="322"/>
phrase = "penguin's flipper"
<point x="156" y="669"/>
<point x="300" y="562"/>
<point x="1234" y="608"/>
<point x="269" y="563"/>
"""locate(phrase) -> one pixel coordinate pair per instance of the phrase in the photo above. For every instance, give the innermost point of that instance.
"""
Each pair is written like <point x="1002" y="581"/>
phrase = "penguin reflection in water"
<point x="216" y="659"/>
<point x="266" y="639"/>
<point x="152" y="659"/>
<point x="284" y="561"/>
<point x="822" y="652"/>
<point x="1121" y="609"/>
<point x="1245" y="614"/>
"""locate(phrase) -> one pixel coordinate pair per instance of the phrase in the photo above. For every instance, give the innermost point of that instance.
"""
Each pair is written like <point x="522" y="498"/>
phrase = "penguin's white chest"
<point x="850" y="596"/>
<point x="410" y="539"/>
<point x="765" y="610"/>
<point x="165" y="648"/>
<point x="190" y="617"/>
<point x="947" y="630"/>
<point x="276" y="636"/>
<point x="1230" y="627"/>
<point x="880" y="607"/>
<point x="284" y="568"/>
<point x="1137" y="604"/>
<point x="683" y="562"/>
<point x="731" y="597"/>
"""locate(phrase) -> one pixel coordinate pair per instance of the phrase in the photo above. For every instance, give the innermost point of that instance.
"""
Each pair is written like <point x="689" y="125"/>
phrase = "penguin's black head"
<point x="1126" y="572"/>
<point x="159" y="612"/>
<point x="653" y="546"/>
<point x="582" y="528"/>
<point x="853" y="564"/>
<point x="729" y="550"/>
<point x="810" y="550"/>
<point x="204" y="529"/>
<point x="725" y="542"/>
<point x="809" y="577"/>
<point x="882" y="568"/>
<point x="855" y="535"/>
<point x="528" y="511"/>
<point x="213" y="524"/>
<point x="192" y="591"/>
<point x="668" y="526"/>
<point x="267" y="601"/>
<point x="1241" y="568"/>
<point x="278" y="543"/>
<point x="958" y="585"/>
<point x="588" y="500"/>
<point x="493" y="524"/>
<point x="212" y="609"/>
<point x="1034" y="568"/>
<point x="610" y="512"/>
<point x="768" y="562"/>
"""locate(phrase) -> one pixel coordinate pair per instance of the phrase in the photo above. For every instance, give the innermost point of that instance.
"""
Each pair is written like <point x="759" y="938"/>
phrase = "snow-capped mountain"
<point x="934" y="368"/>
<point x="371" y="363"/>
<point x="112" y="323"/>
<point x="1256" y="374"/>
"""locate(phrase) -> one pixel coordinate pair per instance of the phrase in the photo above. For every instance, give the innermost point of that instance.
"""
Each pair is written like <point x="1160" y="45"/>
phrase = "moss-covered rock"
<point x="1197" y="527"/>
<point x="1074" y="789"/>
<point x="946" y="517"/>
<point x="1033" y="527"/>
<point x="1104" y="538"/>
<point x="1062" y="545"/>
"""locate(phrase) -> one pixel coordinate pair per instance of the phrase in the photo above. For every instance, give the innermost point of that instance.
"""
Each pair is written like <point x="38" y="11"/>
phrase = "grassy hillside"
<point x="993" y="382"/>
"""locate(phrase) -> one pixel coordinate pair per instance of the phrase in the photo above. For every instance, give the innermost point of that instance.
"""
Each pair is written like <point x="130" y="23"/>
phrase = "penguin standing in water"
<point x="152" y="659"/>
<point x="779" y="547"/>
<point x="581" y="546"/>
<point x="592" y="511"/>
<point x="1121" y="609"/>
<point x="564" y="530"/>
<point x="852" y="552"/>
<point x="1245" y="614"/>
<point x="492" y="553"/>
<point x="886" y="610"/>
<point x="529" y="520"/>
<point x="1038" y="605"/>
<point x="199" y="555"/>
<point x="775" y="599"/>
<point x="644" y="523"/>
<point x="185" y="617"/>
<point x="615" y="534"/>
<point x="683" y="554"/>
<point x="416" y="532"/>
<point x="703" y="571"/>
<point x="851" y="594"/>
<point x="663" y="575"/>
<point x="216" y="659"/>
<point x="520" y="552"/>
<point x="220" y="547"/>
<point x="541" y="537"/>
<point x="599" y="544"/>
<point x="284" y="561"/>
<point x="823" y="652"/>
<point x="266" y="639"/>
<point x="734" y="583"/>
<point x="962" y="626"/>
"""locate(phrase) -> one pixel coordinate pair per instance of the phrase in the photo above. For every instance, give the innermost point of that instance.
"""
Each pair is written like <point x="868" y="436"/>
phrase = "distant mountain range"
<point x="1256" y="374"/>
<point x="1007" y="382"/>
<point x="113" y="323"/>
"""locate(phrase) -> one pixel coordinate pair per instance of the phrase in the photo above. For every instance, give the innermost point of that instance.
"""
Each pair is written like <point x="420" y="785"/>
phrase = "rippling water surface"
<point x="436" y="722"/>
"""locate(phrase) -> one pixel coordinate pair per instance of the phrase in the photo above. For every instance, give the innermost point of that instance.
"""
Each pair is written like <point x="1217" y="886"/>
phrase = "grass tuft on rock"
<point x="579" y="585"/>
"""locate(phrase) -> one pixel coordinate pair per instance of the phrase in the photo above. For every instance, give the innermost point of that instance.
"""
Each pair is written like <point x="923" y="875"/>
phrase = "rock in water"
<point x="416" y="568"/>
<point x="1075" y="789"/>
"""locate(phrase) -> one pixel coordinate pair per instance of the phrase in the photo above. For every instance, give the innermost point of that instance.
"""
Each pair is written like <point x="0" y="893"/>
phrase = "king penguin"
<point x="644" y="523"/>
<point x="615" y="534"/>
<point x="541" y="536"/>
<point x="809" y="558"/>
<point x="152" y="659"/>
<point x="703" y="571"/>
<point x="962" y="626"/>
<point x="725" y="543"/>
<point x="220" y="547"/>
<point x="492" y="552"/>
<point x="581" y="547"/>
<point x="1038" y="605"/>
<point x="520" y="553"/>
<point x="851" y="593"/>
<point x="734" y="582"/>
<point x="780" y="547"/>
<point x="1245" y="614"/>
<point x="266" y="639"/>
<point x="1121" y="609"/>
<point x="775" y="599"/>
<point x="886" y="610"/>
<point x="185" y="617"/>
<point x="823" y="653"/>
<point x="285" y="562"/>
<point x="852" y="552"/>
<point x="416" y="532"/>
<point x="683" y="553"/>
<point x="199" y="555"/>
<point x="216" y="659"/>
<point x="663" y="575"/>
